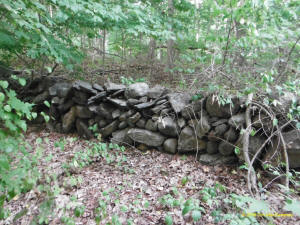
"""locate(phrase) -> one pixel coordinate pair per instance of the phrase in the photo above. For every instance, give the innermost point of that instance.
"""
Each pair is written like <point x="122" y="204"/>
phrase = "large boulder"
<point x="136" y="90"/>
<point x="146" y="137"/>
<point x="168" y="127"/>
<point x="179" y="101"/>
<point x="274" y="152"/>
<point x="215" y="108"/>
<point x="188" y="141"/>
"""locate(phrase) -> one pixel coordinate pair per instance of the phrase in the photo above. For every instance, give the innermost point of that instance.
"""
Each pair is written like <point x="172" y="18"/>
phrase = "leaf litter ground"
<point x="129" y="189"/>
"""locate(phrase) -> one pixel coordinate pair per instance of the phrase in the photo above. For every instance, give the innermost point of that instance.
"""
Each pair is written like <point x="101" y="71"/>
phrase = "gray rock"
<point x="112" y="87"/>
<point x="237" y="121"/>
<point x="193" y="123"/>
<point x="231" y="135"/>
<point x="83" y="112"/>
<point x="144" y="99"/>
<point x="216" y="159"/>
<point x="168" y="127"/>
<point x="170" y="145"/>
<point x="91" y="122"/>
<point x="97" y="98"/>
<point x="141" y="123"/>
<point x="109" y="129"/>
<point x="151" y="125"/>
<point x="220" y="130"/>
<point x="274" y="153"/>
<point x="159" y="108"/>
<point x="116" y="113"/>
<point x="120" y="103"/>
<point x="181" y="122"/>
<point x="144" y="105"/>
<point x="120" y="137"/>
<point x="81" y="98"/>
<point x="54" y="112"/>
<point x="146" y="137"/>
<point x="133" y="102"/>
<point x="191" y="111"/>
<point x="98" y="87"/>
<point x="157" y="91"/>
<point x="60" y="89"/>
<point x="69" y="120"/>
<point x="215" y="109"/>
<point x="123" y="125"/>
<point x="179" y="101"/>
<point x="226" y="148"/>
<point x="163" y="101"/>
<point x="56" y="101"/>
<point x="127" y="114"/>
<point x="202" y="127"/>
<point x="255" y="143"/>
<point x="64" y="107"/>
<point x="212" y="147"/>
<point x="83" y="130"/>
<point x="136" y="90"/>
<point x="133" y="119"/>
<point x="262" y="121"/>
<point x="39" y="99"/>
<point x="219" y="122"/>
<point x="188" y="141"/>
<point x="102" y="123"/>
<point x="84" y="86"/>
<point x="105" y="110"/>
<point x="117" y="93"/>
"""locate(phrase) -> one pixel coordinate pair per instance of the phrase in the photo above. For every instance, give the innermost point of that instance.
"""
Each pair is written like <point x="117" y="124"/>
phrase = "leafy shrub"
<point x="16" y="167"/>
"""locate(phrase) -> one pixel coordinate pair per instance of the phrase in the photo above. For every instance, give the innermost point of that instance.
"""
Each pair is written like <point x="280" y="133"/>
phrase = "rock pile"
<point x="147" y="117"/>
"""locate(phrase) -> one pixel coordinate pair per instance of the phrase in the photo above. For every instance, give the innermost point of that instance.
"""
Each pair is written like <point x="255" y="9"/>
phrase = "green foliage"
<point x="130" y="80"/>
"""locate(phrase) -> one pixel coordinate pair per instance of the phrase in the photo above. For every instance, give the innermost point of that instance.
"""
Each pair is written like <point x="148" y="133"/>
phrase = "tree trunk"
<point x="170" y="44"/>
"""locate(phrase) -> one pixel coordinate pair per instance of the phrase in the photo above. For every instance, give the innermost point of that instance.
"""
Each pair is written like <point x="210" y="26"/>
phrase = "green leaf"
<point x="2" y="97"/>
<point x="253" y="132"/>
<point x="4" y="84"/>
<point x="186" y="209"/>
<point x="168" y="220"/>
<point x="7" y="108"/>
<point x="47" y="103"/>
<point x="237" y="150"/>
<point x="196" y="215"/>
<point x="275" y="122"/>
<point x="22" y="81"/>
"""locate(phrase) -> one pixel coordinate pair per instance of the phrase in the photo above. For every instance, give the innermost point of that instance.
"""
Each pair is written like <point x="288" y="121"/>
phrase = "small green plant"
<point x="130" y="80"/>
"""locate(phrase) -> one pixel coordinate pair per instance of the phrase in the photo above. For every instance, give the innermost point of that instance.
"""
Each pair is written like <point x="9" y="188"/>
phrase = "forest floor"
<point x="129" y="186"/>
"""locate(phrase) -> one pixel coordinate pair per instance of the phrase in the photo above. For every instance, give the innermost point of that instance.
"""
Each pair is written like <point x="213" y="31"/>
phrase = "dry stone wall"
<point x="148" y="117"/>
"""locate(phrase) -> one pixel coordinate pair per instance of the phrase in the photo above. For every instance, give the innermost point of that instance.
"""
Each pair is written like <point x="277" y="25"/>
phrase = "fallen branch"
<point x="251" y="181"/>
